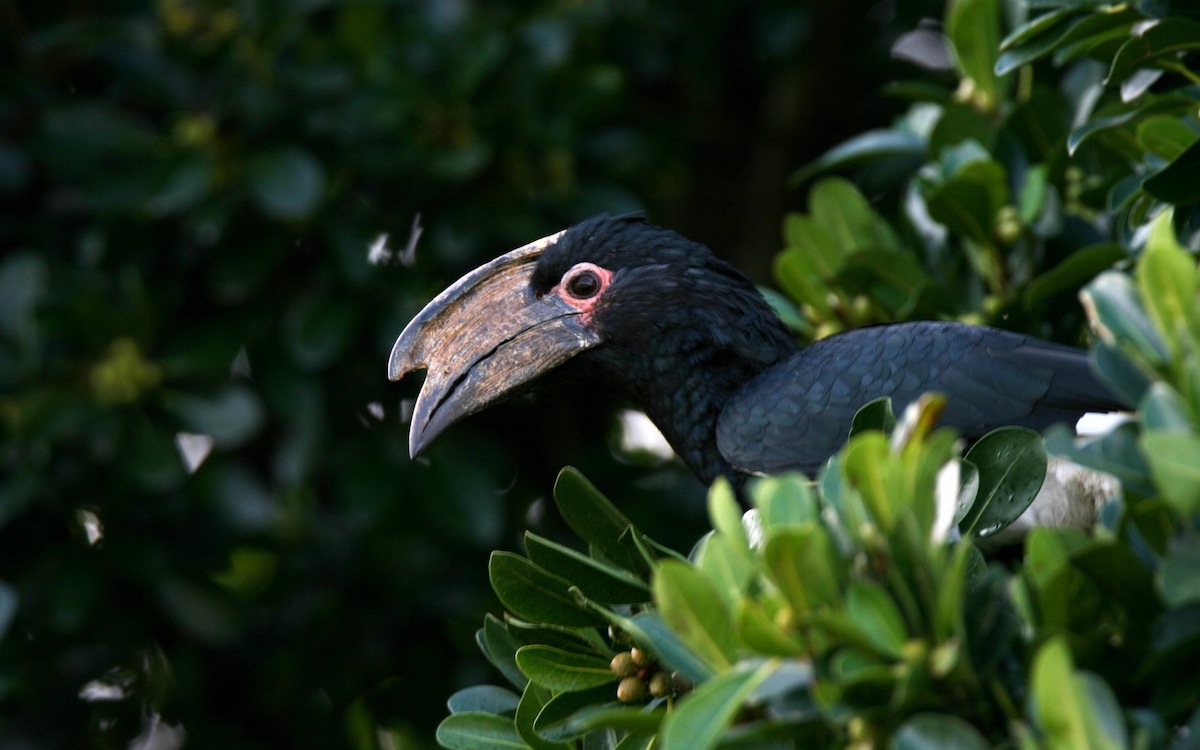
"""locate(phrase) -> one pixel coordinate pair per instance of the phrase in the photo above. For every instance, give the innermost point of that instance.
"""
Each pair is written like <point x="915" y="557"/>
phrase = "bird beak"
<point x="483" y="338"/>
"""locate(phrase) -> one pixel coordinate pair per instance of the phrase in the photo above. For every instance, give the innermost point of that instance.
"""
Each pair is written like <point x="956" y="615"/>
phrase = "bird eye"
<point x="583" y="285"/>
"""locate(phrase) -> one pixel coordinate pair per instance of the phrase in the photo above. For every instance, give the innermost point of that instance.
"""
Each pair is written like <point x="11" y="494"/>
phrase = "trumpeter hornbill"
<point x="696" y="346"/>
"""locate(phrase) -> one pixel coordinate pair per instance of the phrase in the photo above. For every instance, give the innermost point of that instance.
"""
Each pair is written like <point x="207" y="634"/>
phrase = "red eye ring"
<point x="584" y="285"/>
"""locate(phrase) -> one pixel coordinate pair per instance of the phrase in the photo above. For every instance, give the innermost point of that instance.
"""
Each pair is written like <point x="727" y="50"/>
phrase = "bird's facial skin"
<point x="582" y="287"/>
<point x="489" y="334"/>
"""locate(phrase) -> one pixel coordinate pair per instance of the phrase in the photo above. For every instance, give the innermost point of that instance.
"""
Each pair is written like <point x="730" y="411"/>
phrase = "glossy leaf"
<point x="498" y="645"/>
<point x="535" y="594"/>
<point x="1166" y="136"/>
<point x="871" y="146"/>
<point x="1175" y="183"/>
<point x="533" y="701"/>
<point x="563" y="671"/>
<point x="651" y="631"/>
<point x="478" y="731"/>
<point x="1011" y="464"/>
<point x="1163" y="38"/>
<point x="556" y="723"/>
<point x="488" y="699"/>
<point x="599" y="581"/>
<point x="597" y="521"/>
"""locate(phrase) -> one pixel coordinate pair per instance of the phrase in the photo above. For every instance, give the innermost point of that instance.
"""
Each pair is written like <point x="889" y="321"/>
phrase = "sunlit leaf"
<point x="701" y="718"/>
<point x="690" y="604"/>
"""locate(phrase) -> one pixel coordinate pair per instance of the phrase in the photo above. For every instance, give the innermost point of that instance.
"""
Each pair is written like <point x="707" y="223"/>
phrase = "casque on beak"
<point x="483" y="338"/>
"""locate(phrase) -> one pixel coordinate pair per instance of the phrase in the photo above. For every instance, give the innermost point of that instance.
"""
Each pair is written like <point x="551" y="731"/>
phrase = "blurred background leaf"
<point x="215" y="219"/>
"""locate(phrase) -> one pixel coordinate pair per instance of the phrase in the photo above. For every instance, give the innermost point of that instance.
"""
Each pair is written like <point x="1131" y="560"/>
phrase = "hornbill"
<point x="693" y="342"/>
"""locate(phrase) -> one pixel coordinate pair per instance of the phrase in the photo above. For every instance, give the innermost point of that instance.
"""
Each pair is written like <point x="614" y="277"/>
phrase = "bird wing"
<point x="796" y="414"/>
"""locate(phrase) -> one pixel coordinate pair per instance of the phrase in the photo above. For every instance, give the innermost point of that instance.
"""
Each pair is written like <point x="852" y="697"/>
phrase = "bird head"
<point x="627" y="302"/>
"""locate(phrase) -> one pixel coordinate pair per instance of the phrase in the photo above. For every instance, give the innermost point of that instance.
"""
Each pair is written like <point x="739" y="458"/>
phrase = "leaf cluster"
<point x="858" y="610"/>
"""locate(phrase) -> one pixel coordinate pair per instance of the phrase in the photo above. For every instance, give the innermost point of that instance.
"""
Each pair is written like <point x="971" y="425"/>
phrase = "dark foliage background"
<point x="188" y="194"/>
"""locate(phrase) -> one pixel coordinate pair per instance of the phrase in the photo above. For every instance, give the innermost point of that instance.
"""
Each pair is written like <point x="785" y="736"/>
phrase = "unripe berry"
<point x="622" y="665"/>
<point x="641" y="656"/>
<point x="660" y="685"/>
<point x="631" y="690"/>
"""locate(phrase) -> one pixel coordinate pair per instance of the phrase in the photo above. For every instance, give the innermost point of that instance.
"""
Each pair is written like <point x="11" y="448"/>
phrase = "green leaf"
<point x="838" y="206"/>
<point x="533" y="701"/>
<point x="1159" y="39"/>
<point x="760" y="630"/>
<point x="973" y="27"/>
<point x="488" y="699"/>
<point x="701" y="718"/>
<point x="597" y="521"/>
<point x="231" y="417"/>
<point x="1073" y="272"/>
<point x="875" y="415"/>
<point x="1097" y="34"/>
<point x="498" y="645"/>
<point x="803" y="564"/>
<point x="894" y="280"/>
<point x="1179" y="577"/>
<point x="690" y="604"/>
<point x="967" y="202"/>
<point x="558" y="670"/>
<point x="1173" y="464"/>
<point x="1176" y="183"/>
<point x="784" y="500"/>
<point x="1166" y="277"/>
<point x="1012" y="465"/>
<point x="930" y="731"/>
<point x="650" y="631"/>
<point x="478" y="731"/>
<point x="534" y="594"/>
<point x="288" y="183"/>
<point x="725" y="513"/>
<point x="872" y="609"/>
<point x="1166" y="136"/>
<point x="1036" y="27"/>
<point x="1116" y="313"/>
<point x="812" y="246"/>
<point x="1073" y="710"/>
<point x="634" y="719"/>
<point x="1013" y="58"/>
<point x="873" y="145"/>
<point x="556" y="721"/>
<point x="598" y="580"/>
<point x="728" y="565"/>
<point x="1164" y="410"/>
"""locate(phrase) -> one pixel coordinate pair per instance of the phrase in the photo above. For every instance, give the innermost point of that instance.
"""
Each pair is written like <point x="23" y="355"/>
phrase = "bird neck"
<point x="683" y="370"/>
